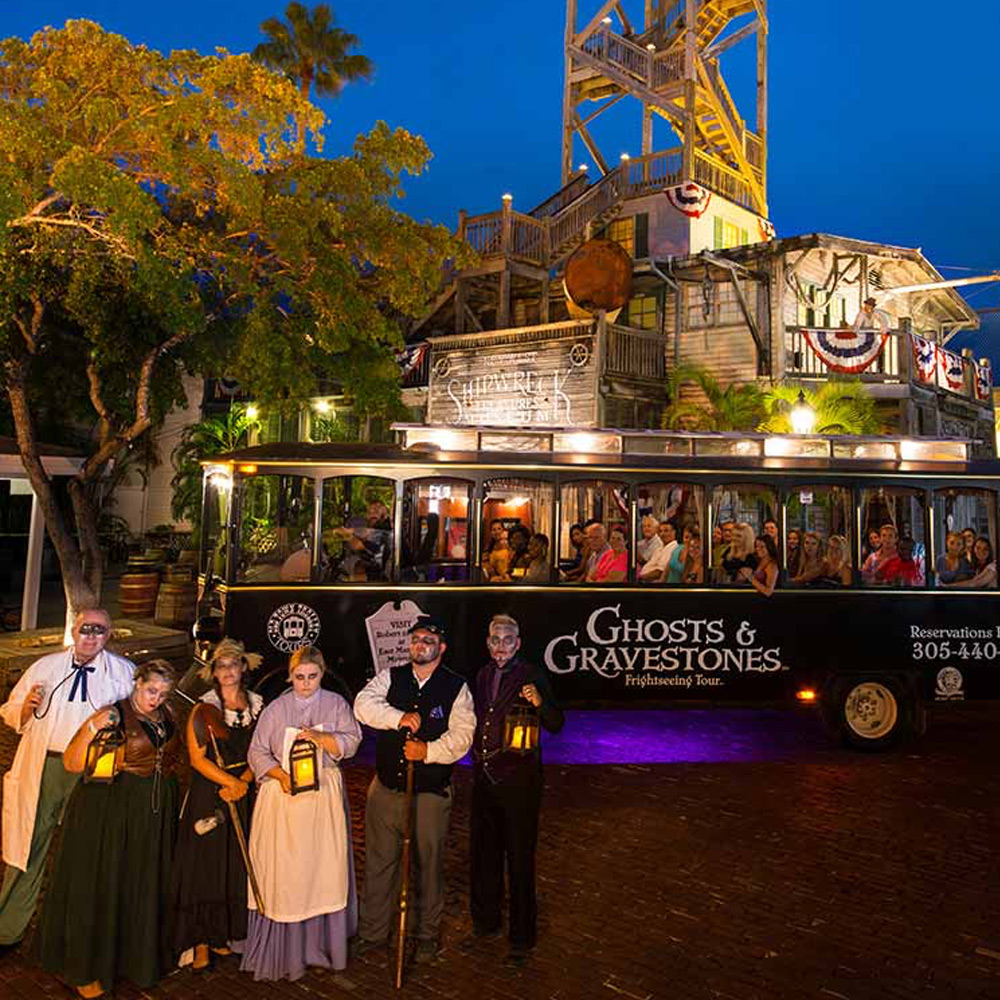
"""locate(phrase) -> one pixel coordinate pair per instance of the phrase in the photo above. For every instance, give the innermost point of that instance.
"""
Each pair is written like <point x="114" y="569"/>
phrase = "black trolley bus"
<point x="345" y="545"/>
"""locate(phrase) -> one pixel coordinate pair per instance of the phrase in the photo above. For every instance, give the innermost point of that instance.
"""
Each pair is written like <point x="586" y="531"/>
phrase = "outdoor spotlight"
<point x="803" y="415"/>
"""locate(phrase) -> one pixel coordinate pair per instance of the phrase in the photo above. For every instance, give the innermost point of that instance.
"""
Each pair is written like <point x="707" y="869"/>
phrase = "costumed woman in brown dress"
<point x="210" y="877"/>
<point x="105" y="915"/>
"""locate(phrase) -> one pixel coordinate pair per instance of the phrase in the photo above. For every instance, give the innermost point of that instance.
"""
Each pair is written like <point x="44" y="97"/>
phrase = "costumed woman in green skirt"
<point x="106" y="911"/>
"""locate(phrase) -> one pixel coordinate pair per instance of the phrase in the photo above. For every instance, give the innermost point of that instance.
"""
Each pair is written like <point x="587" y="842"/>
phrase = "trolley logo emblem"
<point x="291" y="626"/>
<point x="949" y="685"/>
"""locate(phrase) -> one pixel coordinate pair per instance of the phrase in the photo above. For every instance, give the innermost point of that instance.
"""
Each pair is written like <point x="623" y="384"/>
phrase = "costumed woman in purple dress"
<point x="300" y="845"/>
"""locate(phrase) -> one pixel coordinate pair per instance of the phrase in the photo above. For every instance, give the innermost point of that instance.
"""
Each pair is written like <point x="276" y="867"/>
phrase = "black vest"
<point x="433" y="703"/>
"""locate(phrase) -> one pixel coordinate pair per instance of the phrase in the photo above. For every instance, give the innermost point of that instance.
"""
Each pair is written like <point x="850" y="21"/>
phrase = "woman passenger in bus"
<point x="675" y="567"/>
<point x="873" y="570"/>
<point x="794" y="552"/>
<point x="983" y="566"/>
<point x="496" y="555"/>
<point x="650" y="542"/>
<point x="694" y="564"/>
<point x="612" y="566"/>
<point x="741" y="555"/>
<point x="764" y="576"/>
<point x="837" y="564"/>
<point x="969" y="539"/>
<point x="811" y="563"/>
<point x="952" y="566"/>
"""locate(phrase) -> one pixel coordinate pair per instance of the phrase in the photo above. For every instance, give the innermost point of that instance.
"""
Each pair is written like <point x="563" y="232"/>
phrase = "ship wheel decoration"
<point x="579" y="354"/>
<point x="442" y="366"/>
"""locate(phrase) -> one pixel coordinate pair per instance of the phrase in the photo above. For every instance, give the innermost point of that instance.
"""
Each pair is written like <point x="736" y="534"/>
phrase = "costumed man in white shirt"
<point x="871" y="318"/>
<point x="424" y="713"/>
<point x="54" y="697"/>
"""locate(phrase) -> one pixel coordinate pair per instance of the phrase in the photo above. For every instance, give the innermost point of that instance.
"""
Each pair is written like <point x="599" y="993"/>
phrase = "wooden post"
<point x="969" y="373"/>
<point x="460" y="305"/>
<point x="506" y="244"/>
<point x="647" y="136"/>
<point x="568" y="127"/>
<point x="762" y="96"/>
<point x="690" y="75"/>
<point x="33" y="566"/>
<point x="543" y="305"/>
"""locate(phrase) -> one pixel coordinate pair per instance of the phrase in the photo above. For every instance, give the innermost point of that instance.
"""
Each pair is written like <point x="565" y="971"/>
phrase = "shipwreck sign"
<point x="549" y="383"/>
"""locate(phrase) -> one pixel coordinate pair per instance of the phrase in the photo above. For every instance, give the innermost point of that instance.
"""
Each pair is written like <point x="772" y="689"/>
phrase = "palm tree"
<point x="842" y="405"/>
<point x="311" y="51"/>
<point x="738" y="407"/>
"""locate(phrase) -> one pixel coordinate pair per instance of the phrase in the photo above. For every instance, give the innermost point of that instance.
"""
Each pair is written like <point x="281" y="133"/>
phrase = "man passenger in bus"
<point x="538" y="555"/>
<point x="612" y="566"/>
<point x="764" y="575"/>
<point x="650" y="541"/>
<point x="904" y="570"/>
<point x="952" y="565"/>
<point x="518" y="538"/>
<point x="371" y="544"/>
<point x="655" y="569"/>
<point x="597" y="545"/>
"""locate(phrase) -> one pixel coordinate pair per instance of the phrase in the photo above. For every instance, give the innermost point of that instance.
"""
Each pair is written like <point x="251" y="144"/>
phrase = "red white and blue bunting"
<point x="925" y="360"/>
<point x="766" y="229"/>
<point x="409" y="358"/>
<point x="689" y="198"/>
<point x="952" y="370"/>
<point x="984" y="382"/>
<point x="847" y="351"/>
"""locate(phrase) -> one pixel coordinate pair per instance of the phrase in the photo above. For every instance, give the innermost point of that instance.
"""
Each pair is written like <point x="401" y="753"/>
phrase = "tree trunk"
<point x="82" y="590"/>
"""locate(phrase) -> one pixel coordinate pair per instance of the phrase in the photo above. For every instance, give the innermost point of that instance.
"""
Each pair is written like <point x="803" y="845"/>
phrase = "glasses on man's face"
<point x="93" y="628"/>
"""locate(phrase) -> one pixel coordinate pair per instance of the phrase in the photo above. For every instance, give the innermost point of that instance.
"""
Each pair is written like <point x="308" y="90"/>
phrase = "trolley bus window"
<point x="215" y="516"/>
<point x="892" y="527"/>
<point x="599" y="508"/>
<point x="517" y="517"/>
<point x="276" y="516"/>
<point x="670" y="517"/>
<point x="818" y="538"/>
<point x="740" y="514"/>
<point x="357" y="529"/>
<point x="965" y="539"/>
<point x="436" y="531"/>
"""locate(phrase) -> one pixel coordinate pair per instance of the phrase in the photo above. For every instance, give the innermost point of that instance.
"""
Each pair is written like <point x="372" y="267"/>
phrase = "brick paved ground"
<point x="767" y="865"/>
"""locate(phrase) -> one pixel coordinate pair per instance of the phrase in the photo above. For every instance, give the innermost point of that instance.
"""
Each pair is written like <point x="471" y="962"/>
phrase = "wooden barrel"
<point x="176" y="603"/>
<point x="137" y="594"/>
<point x="178" y="573"/>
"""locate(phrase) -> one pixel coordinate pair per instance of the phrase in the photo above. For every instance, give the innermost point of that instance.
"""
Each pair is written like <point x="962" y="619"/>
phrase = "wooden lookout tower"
<point x="671" y="65"/>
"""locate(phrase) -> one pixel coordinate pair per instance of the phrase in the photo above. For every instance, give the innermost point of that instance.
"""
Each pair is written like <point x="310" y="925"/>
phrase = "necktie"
<point x="80" y="680"/>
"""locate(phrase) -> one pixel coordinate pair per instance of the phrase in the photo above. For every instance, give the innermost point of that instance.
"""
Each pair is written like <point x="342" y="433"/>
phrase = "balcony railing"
<point x="635" y="353"/>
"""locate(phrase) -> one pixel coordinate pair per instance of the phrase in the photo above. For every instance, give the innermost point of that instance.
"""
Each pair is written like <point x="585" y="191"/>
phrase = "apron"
<point x="298" y="846"/>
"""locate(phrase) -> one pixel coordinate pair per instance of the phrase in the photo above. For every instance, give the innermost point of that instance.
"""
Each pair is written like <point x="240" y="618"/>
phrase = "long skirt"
<point x="210" y="878"/>
<point x="277" y="949"/>
<point x="105" y="916"/>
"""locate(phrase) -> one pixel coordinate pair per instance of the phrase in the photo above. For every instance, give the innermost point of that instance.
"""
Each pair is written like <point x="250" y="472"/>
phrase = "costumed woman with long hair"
<point x="106" y="913"/>
<point x="210" y="877"/>
<point x="300" y="845"/>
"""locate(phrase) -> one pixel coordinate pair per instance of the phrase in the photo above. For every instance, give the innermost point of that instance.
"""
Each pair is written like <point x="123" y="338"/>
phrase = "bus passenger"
<point x="655" y="570"/>
<point x="952" y="565"/>
<point x="837" y="564"/>
<point x="495" y="551"/>
<point x="765" y="575"/>
<point x="518" y="539"/>
<point x="969" y="538"/>
<point x="883" y="552"/>
<point x="872" y="546"/>
<point x="650" y="542"/>
<point x="794" y="552"/>
<point x="741" y="555"/>
<point x="371" y="544"/>
<point x="693" y="571"/>
<point x="720" y="553"/>
<point x="811" y="562"/>
<point x="597" y="545"/>
<point x="612" y="566"/>
<point x="983" y="566"/>
<point x="675" y="567"/>
<point x="904" y="570"/>
<point x="538" y="555"/>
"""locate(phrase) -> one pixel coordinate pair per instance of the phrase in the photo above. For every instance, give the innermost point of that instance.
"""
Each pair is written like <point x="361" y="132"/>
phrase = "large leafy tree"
<point x="311" y="51"/>
<point x="158" y="212"/>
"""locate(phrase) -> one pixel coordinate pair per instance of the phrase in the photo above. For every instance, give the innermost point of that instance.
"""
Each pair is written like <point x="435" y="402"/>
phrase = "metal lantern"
<point x="105" y="754"/>
<point x="520" y="729"/>
<point x="303" y="767"/>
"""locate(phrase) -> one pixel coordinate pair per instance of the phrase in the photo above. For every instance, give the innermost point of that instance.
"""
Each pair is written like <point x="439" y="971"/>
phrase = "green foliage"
<point x="214" y="436"/>
<point x="738" y="407"/>
<point x="311" y="51"/>
<point x="843" y="406"/>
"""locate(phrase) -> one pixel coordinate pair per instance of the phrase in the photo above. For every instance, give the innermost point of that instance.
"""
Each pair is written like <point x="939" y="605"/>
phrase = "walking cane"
<point x="404" y="886"/>
<point x="240" y="837"/>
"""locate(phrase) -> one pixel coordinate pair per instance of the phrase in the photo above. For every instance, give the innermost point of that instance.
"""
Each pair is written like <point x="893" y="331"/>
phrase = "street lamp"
<point x="803" y="416"/>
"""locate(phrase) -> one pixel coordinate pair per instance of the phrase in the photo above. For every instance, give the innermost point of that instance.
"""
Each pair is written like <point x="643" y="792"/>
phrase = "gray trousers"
<point x="21" y="888"/>
<point x="384" y="817"/>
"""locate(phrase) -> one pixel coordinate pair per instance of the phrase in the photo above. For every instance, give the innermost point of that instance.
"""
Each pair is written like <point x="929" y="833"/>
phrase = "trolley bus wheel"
<point x="873" y="713"/>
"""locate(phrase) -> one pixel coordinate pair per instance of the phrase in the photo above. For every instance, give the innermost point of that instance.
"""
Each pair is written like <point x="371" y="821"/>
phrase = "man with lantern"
<point x="513" y="702"/>
<point x="52" y="699"/>
<point x="424" y="716"/>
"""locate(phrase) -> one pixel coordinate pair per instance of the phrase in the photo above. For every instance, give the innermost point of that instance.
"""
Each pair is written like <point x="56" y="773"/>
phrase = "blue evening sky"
<point x="883" y="115"/>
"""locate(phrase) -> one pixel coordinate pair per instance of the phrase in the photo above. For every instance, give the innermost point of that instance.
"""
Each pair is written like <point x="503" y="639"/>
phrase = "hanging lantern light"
<point x="520" y="730"/>
<point x="303" y="767"/>
<point x="105" y="754"/>
<point x="803" y="416"/>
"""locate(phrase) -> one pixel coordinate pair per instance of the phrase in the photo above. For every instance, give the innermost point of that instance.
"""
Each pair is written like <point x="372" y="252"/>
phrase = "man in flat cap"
<point x="423" y="713"/>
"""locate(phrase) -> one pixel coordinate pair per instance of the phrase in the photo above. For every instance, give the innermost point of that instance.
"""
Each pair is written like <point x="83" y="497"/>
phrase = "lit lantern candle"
<point x="521" y="729"/>
<point x="303" y="767"/>
<point x="104" y="756"/>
